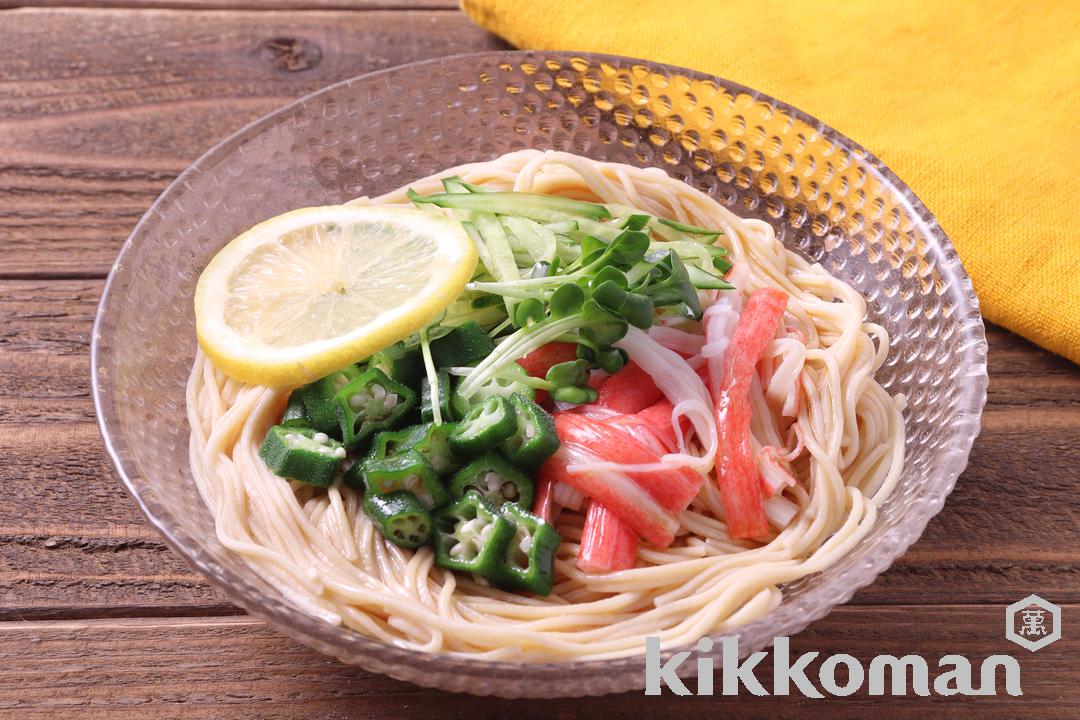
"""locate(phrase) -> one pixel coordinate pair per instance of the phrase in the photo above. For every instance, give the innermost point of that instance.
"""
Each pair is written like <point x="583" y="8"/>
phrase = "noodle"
<point x="845" y="443"/>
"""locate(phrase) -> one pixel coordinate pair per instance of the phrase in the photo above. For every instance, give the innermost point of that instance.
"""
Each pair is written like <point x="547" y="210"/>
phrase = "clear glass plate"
<point x="828" y="199"/>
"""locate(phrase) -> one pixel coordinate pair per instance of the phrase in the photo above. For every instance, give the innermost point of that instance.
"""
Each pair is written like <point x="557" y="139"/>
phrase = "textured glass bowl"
<point x="827" y="197"/>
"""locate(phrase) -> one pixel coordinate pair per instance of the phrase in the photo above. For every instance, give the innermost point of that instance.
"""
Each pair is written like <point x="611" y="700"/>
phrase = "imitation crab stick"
<point x="543" y="506"/>
<point x="629" y="391"/>
<point x="673" y="489"/>
<point x="607" y="543"/>
<point x="641" y="432"/>
<point x="773" y="474"/>
<point x="621" y="494"/>
<point x="652" y="427"/>
<point x="740" y="482"/>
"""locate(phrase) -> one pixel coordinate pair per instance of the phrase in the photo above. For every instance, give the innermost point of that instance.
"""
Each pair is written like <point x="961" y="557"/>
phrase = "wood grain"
<point x="91" y="132"/>
<point x="237" y="668"/>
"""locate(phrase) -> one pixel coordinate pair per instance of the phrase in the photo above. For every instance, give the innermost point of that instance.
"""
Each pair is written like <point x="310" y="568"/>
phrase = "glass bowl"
<point x="828" y="199"/>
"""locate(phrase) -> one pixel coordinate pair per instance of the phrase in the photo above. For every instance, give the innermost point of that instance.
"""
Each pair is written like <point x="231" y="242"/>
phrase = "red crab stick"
<point x="629" y="391"/>
<point x="621" y="494"/>
<point x="740" y="484"/>
<point x="673" y="489"/>
<point x="657" y="417"/>
<point x="543" y="505"/>
<point x="651" y="427"/>
<point x="607" y="543"/>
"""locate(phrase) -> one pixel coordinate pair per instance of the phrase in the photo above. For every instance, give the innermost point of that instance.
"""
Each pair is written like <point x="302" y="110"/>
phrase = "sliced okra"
<point x="511" y="381"/>
<point x="318" y="399"/>
<point x="303" y="454"/>
<point x="400" y="518"/>
<point x="529" y="561"/>
<point x="472" y="536"/>
<point x="534" y="439"/>
<point x="295" y="413"/>
<point x="433" y="442"/>
<point x="466" y="344"/>
<point x="407" y="471"/>
<point x="446" y="410"/>
<point x="401" y="364"/>
<point x="486" y="425"/>
<point x="495" y="479"/>
<point x="370" y="403"/>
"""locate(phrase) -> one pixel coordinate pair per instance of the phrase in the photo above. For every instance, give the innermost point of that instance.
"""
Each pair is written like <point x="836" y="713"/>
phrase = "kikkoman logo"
<point x="1032" y="623"/>
<point x="954" y="673"/>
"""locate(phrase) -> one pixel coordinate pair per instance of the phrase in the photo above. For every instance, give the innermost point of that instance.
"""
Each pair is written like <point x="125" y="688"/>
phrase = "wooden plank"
<point x="72" y="542"/>
<point x="84" y="548"/>
<point x="91" y="132"/>
<point x="237" y="668"/>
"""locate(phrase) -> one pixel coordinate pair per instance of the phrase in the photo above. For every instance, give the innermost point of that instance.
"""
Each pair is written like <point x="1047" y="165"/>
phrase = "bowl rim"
<point x="304" y="628"/>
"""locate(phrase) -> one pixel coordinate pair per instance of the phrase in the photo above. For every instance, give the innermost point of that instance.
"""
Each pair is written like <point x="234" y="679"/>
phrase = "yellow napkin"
<point x="976" y="105"/>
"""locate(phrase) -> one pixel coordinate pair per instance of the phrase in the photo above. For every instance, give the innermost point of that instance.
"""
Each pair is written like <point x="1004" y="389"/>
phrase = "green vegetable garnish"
<point x="400" y="517"/>
<point x="303" y="454"/>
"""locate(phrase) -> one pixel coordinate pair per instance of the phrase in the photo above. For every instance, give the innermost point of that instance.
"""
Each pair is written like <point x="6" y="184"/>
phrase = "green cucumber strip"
<point x="534" y="238"/>
<point x="531" y="205"/>
<point x="503" y="265"/>
<point x="706" y="281"/>
<point x="691" y="229"/>
<point x="561" y="227"/>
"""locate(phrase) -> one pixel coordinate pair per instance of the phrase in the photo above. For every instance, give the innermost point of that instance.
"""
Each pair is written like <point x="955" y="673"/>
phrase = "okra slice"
<point x="401" y="364"/>
<point x="353" y="474"/>
<point x="486" y="425"/>
<point x="406" y="471"/>
<point x="511" y="380"/>
<point x="534" y="439"/>
<point x="370" y="403"/>
<point x="390" y="442"/>
<point x="318" y="399"/>
<point x="302" y="454"/>
<point x="383" y="444"/>
<point x="446" y="411"/>
<point x="295" y="413"/>
<point x="529" y="561"/>
<point x="472" y="536"/>
<point x="400" y="518"/>
<point x="495" y="479"/>
<point x="433" y="442"/>
<point x="466" y="344"/>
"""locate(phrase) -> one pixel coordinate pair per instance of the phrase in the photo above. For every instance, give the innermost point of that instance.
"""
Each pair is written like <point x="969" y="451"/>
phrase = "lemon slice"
<point x="310" y="291"/>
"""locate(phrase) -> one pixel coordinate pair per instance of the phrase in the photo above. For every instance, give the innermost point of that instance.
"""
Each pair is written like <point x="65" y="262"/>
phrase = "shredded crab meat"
<point x="780" y="511"/>
<point x="773" y="473"/>
<point x="682" y="342"/>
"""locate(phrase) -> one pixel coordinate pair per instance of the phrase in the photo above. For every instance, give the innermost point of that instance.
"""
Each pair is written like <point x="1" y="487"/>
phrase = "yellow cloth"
<point x="976" y="105"/>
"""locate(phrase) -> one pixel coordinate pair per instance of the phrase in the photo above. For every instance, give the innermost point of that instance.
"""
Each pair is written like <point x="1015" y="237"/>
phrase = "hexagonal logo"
<point x="1033" y="623"/>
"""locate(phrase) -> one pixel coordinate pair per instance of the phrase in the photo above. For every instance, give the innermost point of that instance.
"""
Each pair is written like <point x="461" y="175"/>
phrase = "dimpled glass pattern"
<point x="827" y="198"/>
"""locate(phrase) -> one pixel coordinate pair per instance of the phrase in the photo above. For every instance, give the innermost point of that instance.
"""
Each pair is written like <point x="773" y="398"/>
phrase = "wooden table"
<point x="99" y="110"/>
